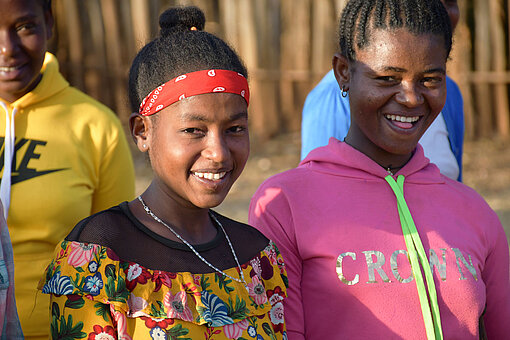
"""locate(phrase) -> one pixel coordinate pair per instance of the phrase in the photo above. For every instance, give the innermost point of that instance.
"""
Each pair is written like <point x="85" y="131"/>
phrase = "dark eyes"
<point x="191" y="130"/>
<point x="236" y="129"/>
<point x="427" y="81"/>
<point x="432" y="81"/>
<point x="26" y="27"/>
<point x="386" y="78"/>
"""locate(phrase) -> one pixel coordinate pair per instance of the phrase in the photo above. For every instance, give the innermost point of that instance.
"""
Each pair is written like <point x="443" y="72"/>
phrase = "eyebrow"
<point x="201" y="118"/>
<point x="402" y="70"/>
<point x="29" y="16"/>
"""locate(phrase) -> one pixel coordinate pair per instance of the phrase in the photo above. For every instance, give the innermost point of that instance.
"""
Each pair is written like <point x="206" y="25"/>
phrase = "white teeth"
<point x="7" y="69"/>
<point x="210" y="175"/>
<point x="402" y="119"/>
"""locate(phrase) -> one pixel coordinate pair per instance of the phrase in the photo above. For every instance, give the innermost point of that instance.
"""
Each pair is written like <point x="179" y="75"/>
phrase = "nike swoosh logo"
<point x="31" y="173"/>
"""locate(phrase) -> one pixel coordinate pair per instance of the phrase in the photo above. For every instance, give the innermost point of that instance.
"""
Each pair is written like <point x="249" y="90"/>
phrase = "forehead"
<point x="399" y="46"/>
<point x="18" y="8"/>
<point x="209" y="107"/>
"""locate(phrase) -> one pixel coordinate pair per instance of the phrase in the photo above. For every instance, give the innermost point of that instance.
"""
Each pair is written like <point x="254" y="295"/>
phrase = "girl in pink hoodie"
<point x="377" y="243"/>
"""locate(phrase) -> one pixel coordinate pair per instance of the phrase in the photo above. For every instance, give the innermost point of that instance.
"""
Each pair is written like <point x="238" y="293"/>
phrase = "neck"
<point x="191" y="223"/>
<point x="389" y="161"/>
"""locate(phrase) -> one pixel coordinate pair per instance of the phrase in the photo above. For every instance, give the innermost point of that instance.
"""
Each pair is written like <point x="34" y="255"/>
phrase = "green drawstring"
<point x="417" y="255"/>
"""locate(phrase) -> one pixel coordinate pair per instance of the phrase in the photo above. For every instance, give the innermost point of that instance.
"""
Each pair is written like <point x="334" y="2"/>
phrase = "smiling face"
<point x="198" y="147"/>
<point x="397" y="87"/>
<point x="25" y="28"/>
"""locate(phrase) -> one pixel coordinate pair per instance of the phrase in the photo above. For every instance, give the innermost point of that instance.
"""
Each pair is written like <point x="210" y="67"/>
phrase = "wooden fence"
<point x="287" y="46"/>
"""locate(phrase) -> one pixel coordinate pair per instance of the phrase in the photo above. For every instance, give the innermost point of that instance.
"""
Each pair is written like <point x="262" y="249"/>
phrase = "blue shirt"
<point x="327" y="114"/>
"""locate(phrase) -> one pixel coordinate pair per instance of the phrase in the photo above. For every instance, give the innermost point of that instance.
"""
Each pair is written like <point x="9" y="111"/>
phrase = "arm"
<point x="497" y="286"/>
<point x="76" y="317"/>
<point x="116" y="172"/>
<point x="325" y="114"/>
<point x="269" y="212"/>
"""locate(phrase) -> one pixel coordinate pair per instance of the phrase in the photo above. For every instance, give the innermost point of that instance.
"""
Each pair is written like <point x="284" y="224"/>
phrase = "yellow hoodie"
<point x="70" y="159"/>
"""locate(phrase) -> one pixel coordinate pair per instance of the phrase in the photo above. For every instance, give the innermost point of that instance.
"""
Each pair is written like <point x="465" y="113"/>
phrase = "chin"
<point x="210" y="202"/>
<point x="400" y="149"/>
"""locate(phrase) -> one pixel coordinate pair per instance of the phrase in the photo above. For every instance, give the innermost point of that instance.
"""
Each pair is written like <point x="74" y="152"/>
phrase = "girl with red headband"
<point x="165" y="265"/>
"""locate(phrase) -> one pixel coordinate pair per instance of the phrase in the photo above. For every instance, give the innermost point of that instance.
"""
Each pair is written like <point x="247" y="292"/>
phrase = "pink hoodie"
<point x="335" y="221"/>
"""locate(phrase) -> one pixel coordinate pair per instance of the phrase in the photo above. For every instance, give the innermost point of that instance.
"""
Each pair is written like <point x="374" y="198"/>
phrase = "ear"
<point x="341" y="70"/>
<point x="140" y="126"/>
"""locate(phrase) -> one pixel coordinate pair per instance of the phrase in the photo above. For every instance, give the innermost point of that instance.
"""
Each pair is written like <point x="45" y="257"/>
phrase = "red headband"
<point x="192" y="84"/>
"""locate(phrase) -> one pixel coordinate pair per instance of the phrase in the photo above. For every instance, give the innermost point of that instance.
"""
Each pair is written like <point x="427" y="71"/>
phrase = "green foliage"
<point x="177" y="332"/>
<point x="158" y="312"/>
<point x="223" y="282"/>
<point x="109" y="271"/>
<point x="67" y="331"/>
<point x="103" y="310"/>
<point x="204" y="284"/>
<point x="77" y="304"/>
<point x="116" y="292"/>
<point x="269" y="330"/>
<point x="239" y="311"/>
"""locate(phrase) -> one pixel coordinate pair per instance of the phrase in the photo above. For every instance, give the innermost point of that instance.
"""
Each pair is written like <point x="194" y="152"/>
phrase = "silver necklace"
<point x="157" y="219"/>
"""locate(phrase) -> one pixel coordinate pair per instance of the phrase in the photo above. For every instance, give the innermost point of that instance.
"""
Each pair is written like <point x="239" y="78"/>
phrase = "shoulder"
<point x="470" y="203"/>
<point x="277" y="195"/>
<point x="101" y="228"/>
<point x="286" y="181"/>
<point x="243" y="236"/>
<point x="84" y="107"/>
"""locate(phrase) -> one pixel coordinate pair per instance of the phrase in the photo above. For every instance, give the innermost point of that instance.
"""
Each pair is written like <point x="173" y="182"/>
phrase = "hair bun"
<point x="181" y="19"/>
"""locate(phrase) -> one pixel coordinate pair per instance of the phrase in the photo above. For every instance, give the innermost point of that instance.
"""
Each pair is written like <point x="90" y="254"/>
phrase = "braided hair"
<point x="360" y="17"/>
<point x="182" y="47"/>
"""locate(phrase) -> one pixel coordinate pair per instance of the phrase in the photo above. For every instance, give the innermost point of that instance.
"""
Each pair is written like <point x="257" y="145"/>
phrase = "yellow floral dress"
<point x="95" y="295"/>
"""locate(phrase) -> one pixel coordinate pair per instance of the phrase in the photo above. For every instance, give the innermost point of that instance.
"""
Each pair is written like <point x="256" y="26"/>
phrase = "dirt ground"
<point x="486" y="169"/>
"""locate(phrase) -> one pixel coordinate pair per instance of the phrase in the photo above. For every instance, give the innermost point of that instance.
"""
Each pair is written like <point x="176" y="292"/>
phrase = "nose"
<point x="216" y="148"/>
<point x="7" y="43"/>
<point x="410" y="95"/>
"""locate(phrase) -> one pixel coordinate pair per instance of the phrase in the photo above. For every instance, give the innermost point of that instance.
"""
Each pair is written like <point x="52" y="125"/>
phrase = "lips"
<point x="11" y="72"/>
<point x="8" y="68"/>
<point x="212" y="181"/>
<point x="212" y="176"/>
<point x="401" y="121"/>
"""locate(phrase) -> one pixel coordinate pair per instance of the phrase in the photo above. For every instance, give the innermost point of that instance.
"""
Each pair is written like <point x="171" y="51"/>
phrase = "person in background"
<point x="377" y="243"/>
<point x="10" y="328"/>
<point x="165" y="266"/>
<point x="326" y="114"/>
<point x="65" y="156"/>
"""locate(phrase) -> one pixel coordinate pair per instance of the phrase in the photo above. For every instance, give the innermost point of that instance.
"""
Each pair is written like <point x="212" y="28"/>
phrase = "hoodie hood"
<point x="51" y="83"/>
<point x="340" y="159"/>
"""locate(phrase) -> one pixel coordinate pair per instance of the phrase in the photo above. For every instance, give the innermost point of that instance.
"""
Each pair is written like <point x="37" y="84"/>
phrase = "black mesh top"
<point x="118" y="229"/>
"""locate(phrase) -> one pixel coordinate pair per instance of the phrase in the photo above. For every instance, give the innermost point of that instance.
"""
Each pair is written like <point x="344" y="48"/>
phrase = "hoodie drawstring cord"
<point x="5" y="186"/>
<point x="417" y="256"/>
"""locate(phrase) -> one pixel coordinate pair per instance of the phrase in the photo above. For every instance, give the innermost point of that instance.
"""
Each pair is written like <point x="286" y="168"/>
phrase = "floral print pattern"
<point x="215" y="312"/>
<point x="80" y="254"/>
<point x="100" y="333"/>
<point x="177" y="307"/>
<point x="257" y="291"/>
<point x="95" y="295"/>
